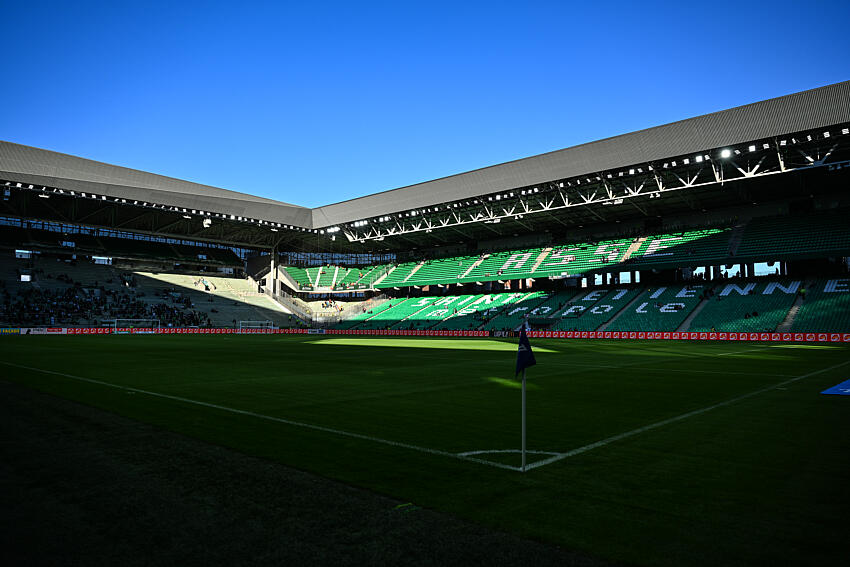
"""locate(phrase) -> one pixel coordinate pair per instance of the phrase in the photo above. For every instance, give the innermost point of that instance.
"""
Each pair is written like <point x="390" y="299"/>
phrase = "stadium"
<point x="686" y="291"/>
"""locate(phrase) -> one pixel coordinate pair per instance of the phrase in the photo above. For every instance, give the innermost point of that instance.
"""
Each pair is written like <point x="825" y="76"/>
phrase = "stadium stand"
<point x="443" y="271"/>
<point x="825" y="306"/>
<point x="472" y="314"/>
<point x="399" y="274"/>
<point x="362" y="315"/>
<point x="406" y="315"/>
<point x="733" y="306"/>
<point x="688" y="248"/>
<point x="662" y="308"/>
<point x="74" y="293"/>
<point x="300" y="276"/>
<point x="817" y="234"/>
<point x="593" y="309"/>
<point x="385" y="317"/>
<point x="747" y="306"/>
<point x="515" y="314"/>
<point x="123" y="248"/>
<point x="512" y="264"/>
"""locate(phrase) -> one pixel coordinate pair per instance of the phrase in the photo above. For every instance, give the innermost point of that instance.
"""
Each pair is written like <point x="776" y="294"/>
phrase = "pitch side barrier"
<point x="607" y="335"/>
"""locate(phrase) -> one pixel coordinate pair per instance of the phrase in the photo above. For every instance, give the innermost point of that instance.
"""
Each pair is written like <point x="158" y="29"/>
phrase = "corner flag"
<point x="524" y="356"/>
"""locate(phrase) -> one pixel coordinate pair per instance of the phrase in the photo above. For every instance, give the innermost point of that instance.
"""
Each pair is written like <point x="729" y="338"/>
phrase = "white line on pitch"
<point x="517" y="451"/>
<point x="664" y="422"/>
<point x="682" y="370"/>
<point x="275" y="419"/>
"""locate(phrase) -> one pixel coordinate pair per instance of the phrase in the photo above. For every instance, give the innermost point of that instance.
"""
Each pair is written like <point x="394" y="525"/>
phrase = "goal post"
<point x="135" y="326"/>
<point x="256" y="326"/>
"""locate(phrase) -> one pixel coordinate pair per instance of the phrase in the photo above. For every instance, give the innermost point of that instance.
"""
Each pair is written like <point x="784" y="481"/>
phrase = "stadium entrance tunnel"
<point x="446" y="344"/>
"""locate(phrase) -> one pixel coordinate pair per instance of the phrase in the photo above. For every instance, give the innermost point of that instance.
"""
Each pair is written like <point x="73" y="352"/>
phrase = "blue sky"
<point x="314" y="103"/>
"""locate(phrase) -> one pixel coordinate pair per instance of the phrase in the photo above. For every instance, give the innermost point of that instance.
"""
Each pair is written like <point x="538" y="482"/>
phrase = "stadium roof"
<point x="824" y="106"/>
<point x="43" y="167"/>
<point x="807" y="110"/>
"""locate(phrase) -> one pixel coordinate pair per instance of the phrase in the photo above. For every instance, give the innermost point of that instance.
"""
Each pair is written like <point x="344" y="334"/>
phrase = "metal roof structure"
<point x="816" y="108"/>
<point x="52" y="169"/>
<point x="576" y="176"/>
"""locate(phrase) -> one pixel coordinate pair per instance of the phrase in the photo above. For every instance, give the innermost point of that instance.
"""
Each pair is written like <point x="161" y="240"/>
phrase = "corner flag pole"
<point x="524" y="359"/>
<point x="523" y="421"/>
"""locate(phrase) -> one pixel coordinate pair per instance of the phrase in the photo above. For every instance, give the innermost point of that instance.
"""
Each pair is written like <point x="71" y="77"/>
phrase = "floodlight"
<point x="725" y="153"/>
<point x="207" y="223"/>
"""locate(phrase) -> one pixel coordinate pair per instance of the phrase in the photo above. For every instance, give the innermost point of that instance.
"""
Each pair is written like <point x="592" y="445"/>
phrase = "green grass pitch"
<point x="755" y="470"/>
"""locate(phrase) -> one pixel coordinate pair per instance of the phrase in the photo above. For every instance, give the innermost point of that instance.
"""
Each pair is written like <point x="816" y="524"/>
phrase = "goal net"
<point x="249" y="326"/>
<point x="135" y="326"/>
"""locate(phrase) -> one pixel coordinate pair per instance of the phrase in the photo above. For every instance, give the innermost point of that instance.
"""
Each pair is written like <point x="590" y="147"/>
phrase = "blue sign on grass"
<point x="842" y="389"/>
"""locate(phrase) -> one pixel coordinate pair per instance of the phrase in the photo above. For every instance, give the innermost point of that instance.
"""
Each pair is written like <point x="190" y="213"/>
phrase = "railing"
<point x="292" y="304"/>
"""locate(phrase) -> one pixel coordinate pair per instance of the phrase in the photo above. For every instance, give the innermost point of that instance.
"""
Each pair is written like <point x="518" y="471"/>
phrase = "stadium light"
<point x="725" y="153"/>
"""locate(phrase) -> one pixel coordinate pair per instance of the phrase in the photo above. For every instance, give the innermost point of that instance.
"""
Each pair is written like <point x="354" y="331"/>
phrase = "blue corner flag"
<point x="524" y="356"/>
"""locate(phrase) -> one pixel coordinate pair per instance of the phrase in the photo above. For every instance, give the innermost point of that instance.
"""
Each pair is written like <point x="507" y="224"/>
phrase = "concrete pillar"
<point x="273" y="271"/>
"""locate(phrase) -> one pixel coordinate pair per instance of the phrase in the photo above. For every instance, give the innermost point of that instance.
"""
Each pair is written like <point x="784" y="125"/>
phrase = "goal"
<point x="256" y="326"/>
<point x="135" y="326"/>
